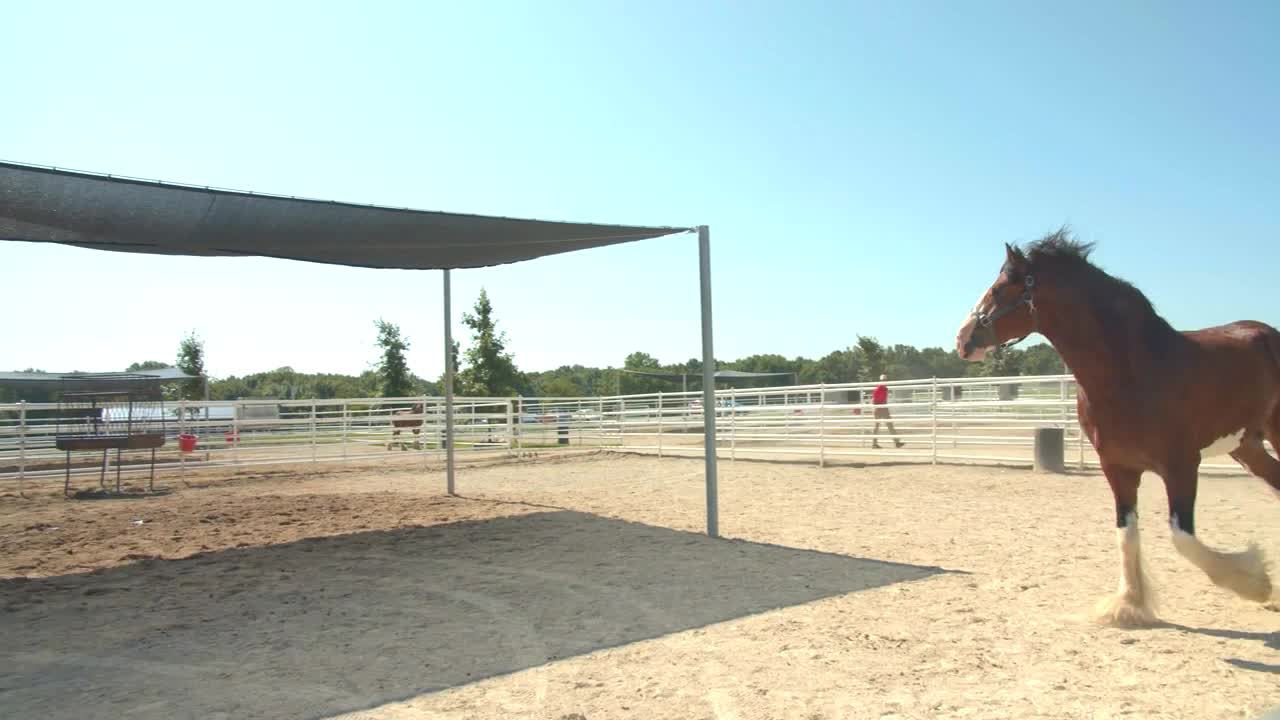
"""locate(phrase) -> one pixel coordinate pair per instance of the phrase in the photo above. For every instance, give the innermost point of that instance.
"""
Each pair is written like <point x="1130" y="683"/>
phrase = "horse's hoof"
<point x="1122" y="610"/>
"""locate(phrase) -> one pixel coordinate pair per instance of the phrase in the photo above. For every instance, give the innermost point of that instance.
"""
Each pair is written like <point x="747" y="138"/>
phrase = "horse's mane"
<point x="1060" y="250"/>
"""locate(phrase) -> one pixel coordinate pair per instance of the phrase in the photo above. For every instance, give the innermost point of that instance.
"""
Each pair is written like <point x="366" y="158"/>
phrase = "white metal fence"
<point x="988" y="420"/>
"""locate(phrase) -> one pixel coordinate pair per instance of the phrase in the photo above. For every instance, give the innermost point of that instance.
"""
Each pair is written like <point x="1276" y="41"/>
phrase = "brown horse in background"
<point x="1151" y="399"/>
<point x="398" y="421"/>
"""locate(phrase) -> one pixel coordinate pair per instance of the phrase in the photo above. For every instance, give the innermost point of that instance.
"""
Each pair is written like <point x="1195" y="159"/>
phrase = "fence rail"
<point x="978" y="420"/>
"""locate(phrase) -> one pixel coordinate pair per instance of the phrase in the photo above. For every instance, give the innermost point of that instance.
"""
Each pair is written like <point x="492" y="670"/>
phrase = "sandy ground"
<point x="582" y="588"/>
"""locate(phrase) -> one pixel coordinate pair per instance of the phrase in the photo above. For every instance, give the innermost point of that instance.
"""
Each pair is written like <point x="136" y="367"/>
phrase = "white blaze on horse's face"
<point x="964" y="338"/>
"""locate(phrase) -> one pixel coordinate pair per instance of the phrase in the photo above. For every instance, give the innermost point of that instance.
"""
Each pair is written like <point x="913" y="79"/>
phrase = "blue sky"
<point x="860" y="165"/>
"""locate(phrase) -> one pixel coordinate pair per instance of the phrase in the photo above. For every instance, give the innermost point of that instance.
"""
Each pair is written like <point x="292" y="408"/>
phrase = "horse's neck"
<point x="1108" y="352"/>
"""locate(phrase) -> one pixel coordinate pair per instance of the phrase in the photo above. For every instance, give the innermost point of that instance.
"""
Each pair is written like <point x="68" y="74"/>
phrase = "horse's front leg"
<point x="1131" y="605"/>
<point x="1244" y="572"/>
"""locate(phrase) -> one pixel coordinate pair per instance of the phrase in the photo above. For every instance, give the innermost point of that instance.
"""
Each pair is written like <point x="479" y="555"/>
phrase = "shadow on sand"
<point x="330" y="625"/>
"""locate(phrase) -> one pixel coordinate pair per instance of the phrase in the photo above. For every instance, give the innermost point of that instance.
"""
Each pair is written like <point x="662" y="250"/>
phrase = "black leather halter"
<point x="1026" y="298"/>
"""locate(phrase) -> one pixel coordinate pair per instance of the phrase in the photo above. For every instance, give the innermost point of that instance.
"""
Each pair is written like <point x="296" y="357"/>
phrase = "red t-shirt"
<point x="880" y="395"/>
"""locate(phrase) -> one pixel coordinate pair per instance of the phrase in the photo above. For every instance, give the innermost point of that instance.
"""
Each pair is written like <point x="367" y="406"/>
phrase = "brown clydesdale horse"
<point x="400" y="419"/>
<point x="1151" y="399"/>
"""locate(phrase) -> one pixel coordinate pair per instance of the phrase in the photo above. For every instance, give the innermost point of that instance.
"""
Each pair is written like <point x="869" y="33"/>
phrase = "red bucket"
<point x="187" y="443"/>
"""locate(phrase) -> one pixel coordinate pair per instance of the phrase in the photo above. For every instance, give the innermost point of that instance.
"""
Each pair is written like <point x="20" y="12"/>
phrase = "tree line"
<point x="488" y="369"/>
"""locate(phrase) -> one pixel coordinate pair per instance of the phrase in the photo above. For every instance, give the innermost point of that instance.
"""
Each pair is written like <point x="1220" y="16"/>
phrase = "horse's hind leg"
<point x="1270" y="467"/>
<point x="1245" y="572"/>
<point x="1130" y="606"/>
<point x="1255" y="458"/>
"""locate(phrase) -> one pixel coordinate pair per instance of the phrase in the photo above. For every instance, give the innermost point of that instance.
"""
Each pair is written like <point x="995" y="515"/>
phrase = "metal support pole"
<point x="708" y="383"/>
<point x="448" y="383"/>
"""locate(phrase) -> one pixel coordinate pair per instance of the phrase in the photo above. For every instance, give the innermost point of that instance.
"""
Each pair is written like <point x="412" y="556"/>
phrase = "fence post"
<point x="516" y="428"/>
<point x="182" y="430"/>
<point x="511" y="425"/>
<point x="235" y="433"/>
<point x="1080" y="433"/>
<point x="346" y="427"/>
<point x="660" y="413"/>
<point x="313" y="432"/>
<point x="733" y="424"/>
<point x="420" y="440"/>
<point x="822" y="425"/>
<point x="601" y="424"/>
<point x="933" y="410"/>
<point x="622" y="422"/>
<point x="22" y="444"/>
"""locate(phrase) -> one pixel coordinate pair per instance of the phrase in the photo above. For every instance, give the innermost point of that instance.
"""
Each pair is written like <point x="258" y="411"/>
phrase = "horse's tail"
<point x="1273" y="428"/>
<point x="1271" y="338"/>
<point x="1273" y="344"/>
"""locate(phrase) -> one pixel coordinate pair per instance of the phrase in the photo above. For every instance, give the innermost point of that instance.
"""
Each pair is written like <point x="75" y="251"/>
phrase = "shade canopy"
<point x="103" y="212"/>
<point x="724" y="375"/>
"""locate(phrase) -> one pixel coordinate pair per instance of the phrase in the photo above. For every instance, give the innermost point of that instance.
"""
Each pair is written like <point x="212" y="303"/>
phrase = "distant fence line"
<point x="975" y="420"/>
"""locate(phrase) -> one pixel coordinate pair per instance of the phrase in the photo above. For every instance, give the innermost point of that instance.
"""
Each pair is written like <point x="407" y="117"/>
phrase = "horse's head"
<point x="1005" y="311"/>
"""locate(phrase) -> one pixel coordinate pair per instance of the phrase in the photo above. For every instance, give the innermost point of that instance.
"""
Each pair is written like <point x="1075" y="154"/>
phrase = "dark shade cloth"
<point x="102" y="212"/>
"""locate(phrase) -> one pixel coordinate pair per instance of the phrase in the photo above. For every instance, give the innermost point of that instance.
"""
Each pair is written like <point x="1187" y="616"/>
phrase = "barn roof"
<point x="80" y="381"/>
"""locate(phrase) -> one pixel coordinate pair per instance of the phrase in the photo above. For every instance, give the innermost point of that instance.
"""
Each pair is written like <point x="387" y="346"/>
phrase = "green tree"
<point x="839" y="366"/>
<point x="1003" y="362"/>
<point x="147" y="365"/>
<point x="491" y="370"/>
<point x="942" y="363"/>
<point x="559" y="386"/>
<point x="1042" y="359"/>
<point x="392" y="369"/>
<point x="633" y="384"/>
<point x="191" y="362"/>
<point x="457" y="367"/>
<point x="870" y="355"/>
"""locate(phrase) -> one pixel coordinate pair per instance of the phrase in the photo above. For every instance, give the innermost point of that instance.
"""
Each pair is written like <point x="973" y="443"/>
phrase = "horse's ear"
<point x="1014" y="256"/>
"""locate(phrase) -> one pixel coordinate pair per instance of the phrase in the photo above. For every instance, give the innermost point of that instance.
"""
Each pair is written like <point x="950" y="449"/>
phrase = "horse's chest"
<point x="1123" y="433"/>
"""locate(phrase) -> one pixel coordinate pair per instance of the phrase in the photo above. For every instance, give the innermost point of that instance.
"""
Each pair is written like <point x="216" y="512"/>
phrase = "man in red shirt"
<point x="880" y="397"/>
